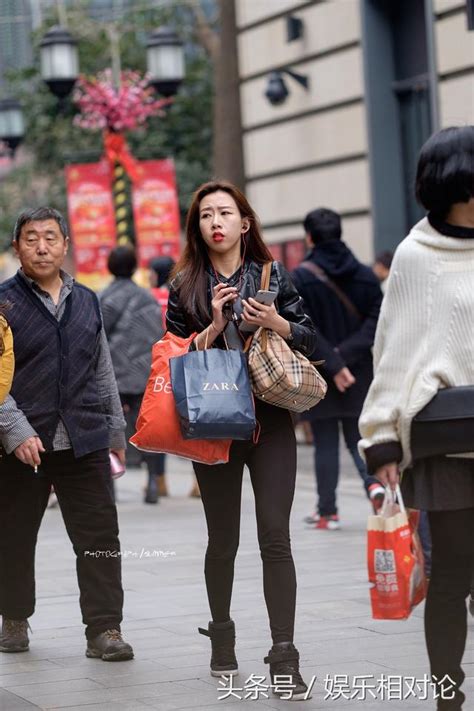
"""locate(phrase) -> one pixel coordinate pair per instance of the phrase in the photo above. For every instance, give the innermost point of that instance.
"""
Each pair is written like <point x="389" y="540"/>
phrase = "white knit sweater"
<point x="425" y="334"/>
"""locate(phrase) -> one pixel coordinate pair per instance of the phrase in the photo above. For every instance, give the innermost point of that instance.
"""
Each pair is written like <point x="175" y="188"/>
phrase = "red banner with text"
<point x="92" y="220"/>
<point x="155" y="211"/>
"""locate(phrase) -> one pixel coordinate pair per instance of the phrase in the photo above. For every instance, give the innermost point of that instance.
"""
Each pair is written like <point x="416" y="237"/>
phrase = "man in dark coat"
<point x="343" y="298"/>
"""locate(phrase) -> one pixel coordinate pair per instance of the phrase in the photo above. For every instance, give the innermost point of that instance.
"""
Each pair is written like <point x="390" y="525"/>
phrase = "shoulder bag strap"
<point x="265" y="285"/>
<point x="343" y="298"/>
<point x="266" y="274"/>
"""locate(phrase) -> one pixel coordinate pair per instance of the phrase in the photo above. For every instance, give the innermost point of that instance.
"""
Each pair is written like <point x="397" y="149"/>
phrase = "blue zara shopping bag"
<point x="213" y="396"/>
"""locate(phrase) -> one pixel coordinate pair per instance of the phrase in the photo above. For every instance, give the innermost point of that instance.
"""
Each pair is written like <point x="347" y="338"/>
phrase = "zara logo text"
<point x="220" y="386"/>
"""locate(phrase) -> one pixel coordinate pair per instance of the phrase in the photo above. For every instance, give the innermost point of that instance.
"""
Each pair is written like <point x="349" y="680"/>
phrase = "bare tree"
<point x="228" y="159"/>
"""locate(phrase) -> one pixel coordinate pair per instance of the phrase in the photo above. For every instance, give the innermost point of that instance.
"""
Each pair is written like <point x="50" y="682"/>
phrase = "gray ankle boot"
<point x="14" y="636"/>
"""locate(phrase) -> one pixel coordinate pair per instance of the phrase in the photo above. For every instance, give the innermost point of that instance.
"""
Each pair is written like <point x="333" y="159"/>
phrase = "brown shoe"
<point x="14" y="637"/>
<point x="195" y="492"/>
<point x="109" y="646"/>
<point x="162" y="486"/>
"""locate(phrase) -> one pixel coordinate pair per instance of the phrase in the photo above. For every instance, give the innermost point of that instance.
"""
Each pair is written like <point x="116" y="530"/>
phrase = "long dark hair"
<point x="191" y="268"/>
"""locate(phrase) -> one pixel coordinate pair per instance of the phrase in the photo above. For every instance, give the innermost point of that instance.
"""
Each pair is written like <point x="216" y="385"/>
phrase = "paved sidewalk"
<point x="166" y="601"/>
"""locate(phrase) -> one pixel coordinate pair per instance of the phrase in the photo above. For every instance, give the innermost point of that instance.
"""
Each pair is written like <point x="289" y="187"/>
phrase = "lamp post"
<point x="59" y="61"/>
<point x="165" y="61"/>
<point x="12" y="126"/>
<point x="165" y="64"/>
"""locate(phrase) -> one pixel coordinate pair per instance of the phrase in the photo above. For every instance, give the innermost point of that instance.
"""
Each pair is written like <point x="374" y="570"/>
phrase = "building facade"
<point x="382" y="75"/>
<point x="15" y="33"/>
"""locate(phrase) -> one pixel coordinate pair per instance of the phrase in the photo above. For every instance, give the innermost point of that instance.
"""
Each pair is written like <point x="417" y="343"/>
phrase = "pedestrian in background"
<point x="133" y="323"/>
<point x="59" y="422"/>
<point x="213" y="294"/>
<point x="424" y="343"/>
<point x="160" y="272"/>
<point x="343" y="297"/>
<point x="381" y="267"/>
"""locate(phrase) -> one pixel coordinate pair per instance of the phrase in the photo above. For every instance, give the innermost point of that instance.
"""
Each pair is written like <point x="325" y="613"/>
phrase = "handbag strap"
<point x="207" y="340"/>
<point x="264" y="284"/>
<point x="320" y="274"/>
<point x="266" y="274"/>
<point x="392" y="497"/>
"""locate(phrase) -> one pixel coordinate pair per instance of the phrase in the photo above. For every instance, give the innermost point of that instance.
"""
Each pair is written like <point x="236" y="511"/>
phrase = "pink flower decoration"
<point x="103" y="106"/>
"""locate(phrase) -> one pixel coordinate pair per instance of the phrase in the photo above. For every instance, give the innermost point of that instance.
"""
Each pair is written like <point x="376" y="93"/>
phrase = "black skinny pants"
<point x="83" y="489"/>
<point x="452" y="535"/>
<point x="272" y="466"/>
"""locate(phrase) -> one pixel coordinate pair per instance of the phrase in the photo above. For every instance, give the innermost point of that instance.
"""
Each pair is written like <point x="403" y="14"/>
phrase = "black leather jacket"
<point x="288" y="304"/>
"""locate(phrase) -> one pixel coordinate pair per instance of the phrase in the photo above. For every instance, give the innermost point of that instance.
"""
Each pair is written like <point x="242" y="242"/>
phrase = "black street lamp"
<point x="59" y="61"/>
<point x="165" y="61"/>
<point x="12" y="125"/>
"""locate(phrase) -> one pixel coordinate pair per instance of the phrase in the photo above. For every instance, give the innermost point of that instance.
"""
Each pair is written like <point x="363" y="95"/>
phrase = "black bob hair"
<point x="122" y="262"/>
<point x="445" y="173"/>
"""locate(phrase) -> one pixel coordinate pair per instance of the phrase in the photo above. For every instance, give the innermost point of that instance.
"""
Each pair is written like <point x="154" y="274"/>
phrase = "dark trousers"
<point x="326" y="459"/>
<point x="425" y="540"/>
<point x="272" y="466"/>
<point x="452" y="534"/>
<point x="155" y="461"/>
<point x="83" y="489"/>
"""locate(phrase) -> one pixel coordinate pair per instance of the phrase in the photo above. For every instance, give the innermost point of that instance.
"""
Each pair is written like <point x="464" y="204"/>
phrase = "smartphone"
<point x="117" y="469"/>
<point x="263" y="297"/>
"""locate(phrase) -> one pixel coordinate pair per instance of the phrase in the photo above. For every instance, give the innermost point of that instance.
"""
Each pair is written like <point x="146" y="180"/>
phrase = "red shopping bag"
<point x="395" y="561"/>
<point x="158" y="428"/>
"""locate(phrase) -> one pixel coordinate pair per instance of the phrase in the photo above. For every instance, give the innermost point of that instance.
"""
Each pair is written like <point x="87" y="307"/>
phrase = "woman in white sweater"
<point x="425" y="342"/>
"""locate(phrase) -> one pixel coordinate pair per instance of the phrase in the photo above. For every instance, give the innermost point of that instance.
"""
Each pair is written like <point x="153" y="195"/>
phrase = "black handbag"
<point x="445" y="425"/>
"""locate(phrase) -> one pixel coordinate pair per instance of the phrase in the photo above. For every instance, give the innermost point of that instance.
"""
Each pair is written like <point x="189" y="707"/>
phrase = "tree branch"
<point x="207" y="37"/>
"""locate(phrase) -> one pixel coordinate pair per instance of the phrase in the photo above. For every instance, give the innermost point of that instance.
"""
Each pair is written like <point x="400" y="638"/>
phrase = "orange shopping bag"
<point x="158" y="428"/>
<point x="395" y="561"/>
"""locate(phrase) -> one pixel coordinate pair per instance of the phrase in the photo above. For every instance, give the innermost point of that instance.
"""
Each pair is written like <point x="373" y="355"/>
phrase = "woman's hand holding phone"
<point x="259" y="314"/>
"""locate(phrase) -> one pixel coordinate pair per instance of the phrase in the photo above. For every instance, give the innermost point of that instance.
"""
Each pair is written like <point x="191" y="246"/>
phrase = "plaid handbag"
<point x="278" y="374"/>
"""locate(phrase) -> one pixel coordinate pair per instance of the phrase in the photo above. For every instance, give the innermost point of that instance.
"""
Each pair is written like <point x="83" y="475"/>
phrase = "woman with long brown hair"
<point x="212" y="294"/>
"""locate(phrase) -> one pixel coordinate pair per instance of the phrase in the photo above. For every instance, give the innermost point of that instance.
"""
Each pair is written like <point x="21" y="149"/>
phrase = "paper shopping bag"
<point x="395" y="562"/>
<point x="213" y="394"/>
<point x="158" y="428"/>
